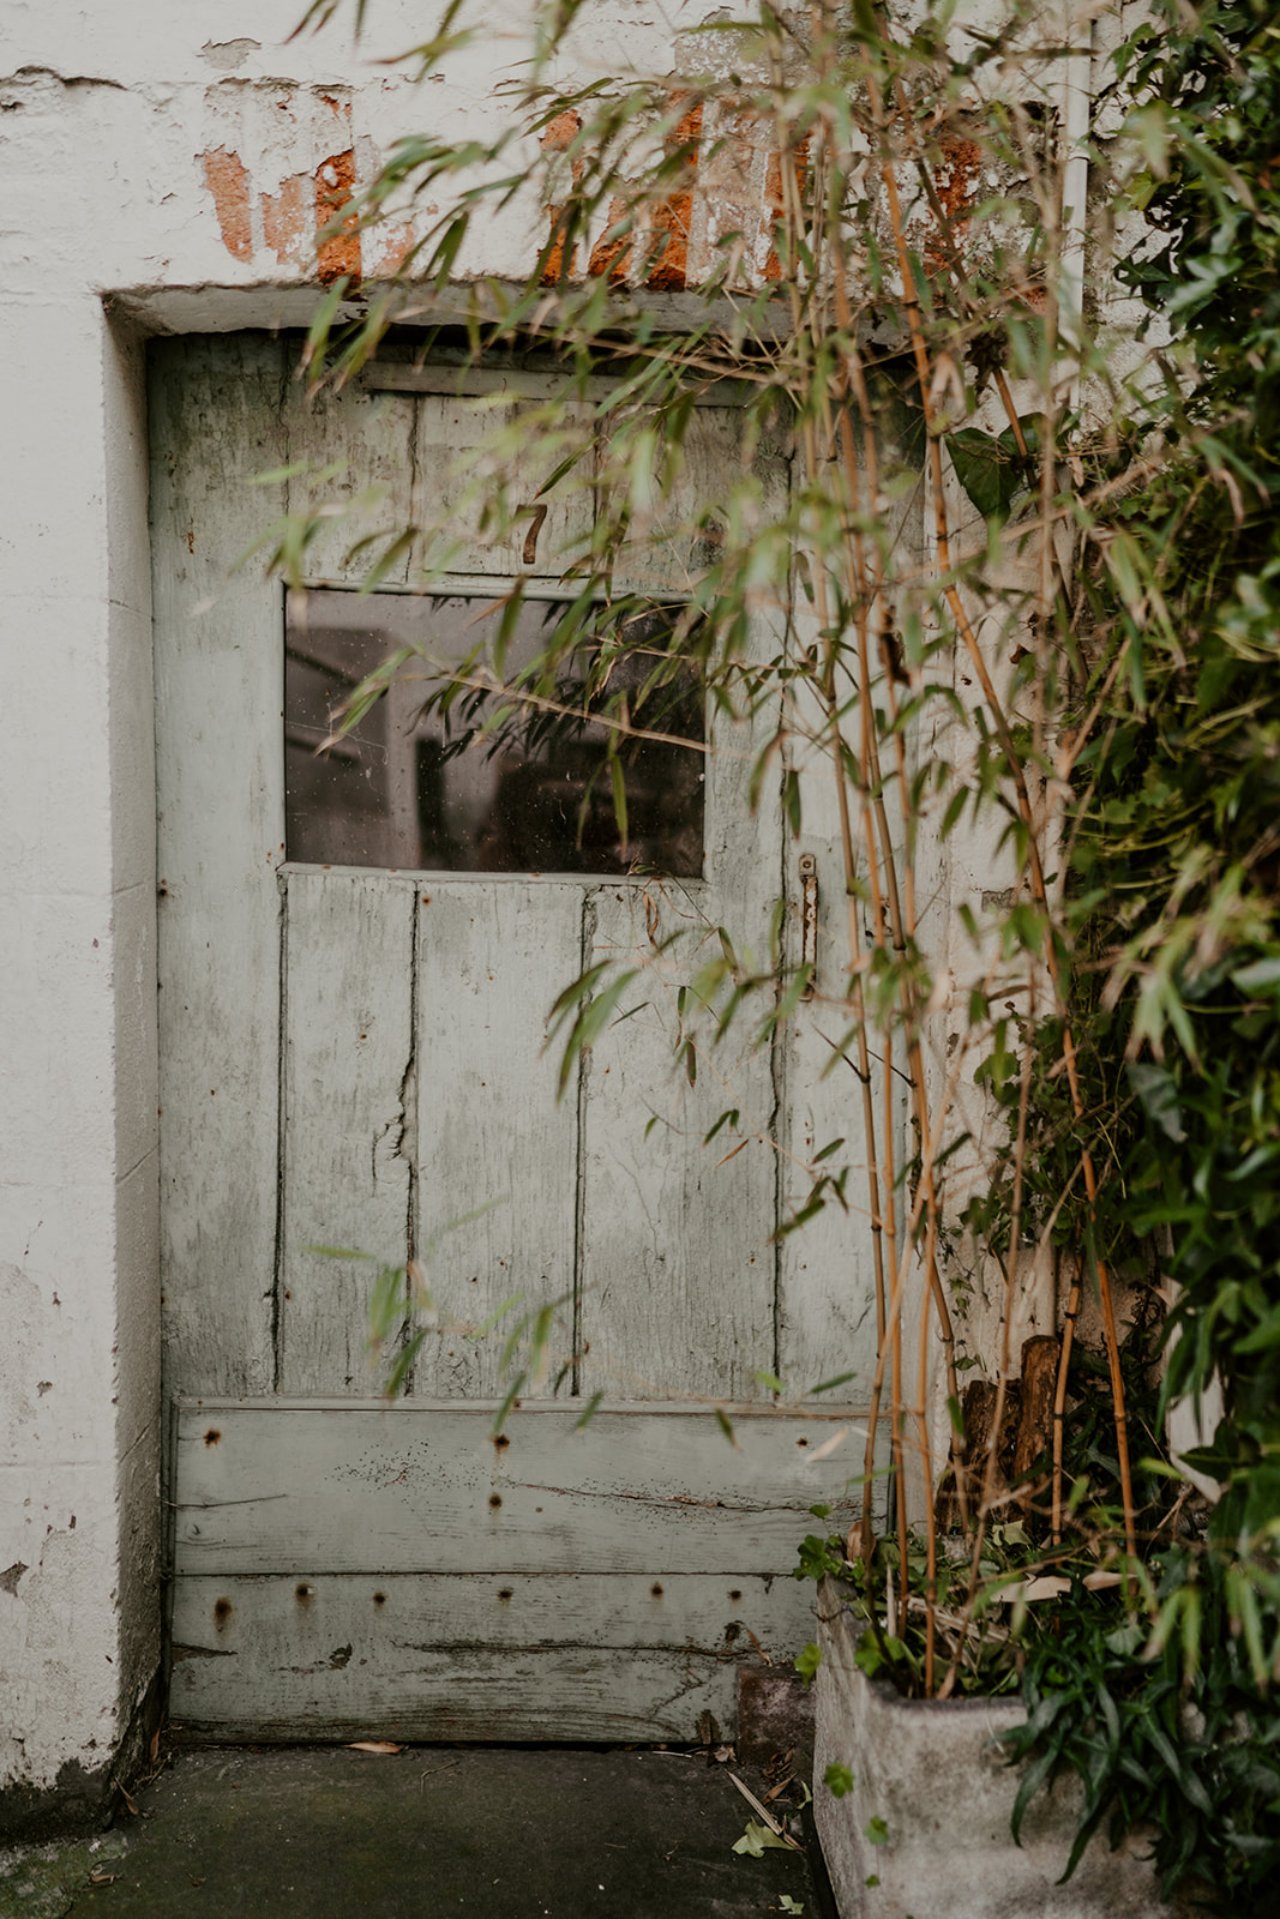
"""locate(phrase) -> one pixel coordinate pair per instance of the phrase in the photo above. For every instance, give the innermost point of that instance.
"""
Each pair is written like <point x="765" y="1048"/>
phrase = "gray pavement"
<point x="328" y="1833"/>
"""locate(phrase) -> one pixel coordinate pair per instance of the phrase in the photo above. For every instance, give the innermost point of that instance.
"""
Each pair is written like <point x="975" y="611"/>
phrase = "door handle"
<point x="809" y="919"/>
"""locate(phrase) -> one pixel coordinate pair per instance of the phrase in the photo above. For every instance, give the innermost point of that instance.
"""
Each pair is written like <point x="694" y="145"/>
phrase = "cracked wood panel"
<point x="678" y="1264"/>
<point x="573" y="1695"/>
<point x="350" y="1109"/>
<point x="826" y="1297"/>
<point x="458" y="442"/>
<point x="215" y="418"/>
<point x="510" y="1655"/>
<point x="493" y="955"/>
<point x="357" y="450"/>
<point x="677" y="1260"/>
<point x="272" y="1487"/>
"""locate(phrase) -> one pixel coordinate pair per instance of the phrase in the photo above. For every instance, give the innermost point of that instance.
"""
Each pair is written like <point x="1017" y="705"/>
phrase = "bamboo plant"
<point x="865" y="233"/>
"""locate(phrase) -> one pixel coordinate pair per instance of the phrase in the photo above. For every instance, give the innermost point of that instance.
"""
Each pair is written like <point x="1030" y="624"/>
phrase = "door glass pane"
<point x="482" y="783"/>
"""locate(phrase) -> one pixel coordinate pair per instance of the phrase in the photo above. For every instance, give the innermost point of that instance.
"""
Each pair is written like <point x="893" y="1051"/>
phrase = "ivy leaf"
<point x="989" y="466"/>
<point x="808" y="1659"/>
<point x="1158" y="1091"/>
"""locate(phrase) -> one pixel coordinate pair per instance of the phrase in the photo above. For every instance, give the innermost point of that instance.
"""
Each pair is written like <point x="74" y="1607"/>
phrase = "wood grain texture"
<point x="505" y="1656"/>
<point x="272" y="1487"/>
<point x="492" y="957"/>
<point x="220" y="776"/>
<point x="668" y="550"/>
<point x="826" y="1298"/>
<point x="501" y="1657"/>
<point x="350" y="1107"/>
<point x="563" y="1694"/>
<point x="369" y="438"/>
<point x="459" y="443"/>
<point x="678" y="1261"/>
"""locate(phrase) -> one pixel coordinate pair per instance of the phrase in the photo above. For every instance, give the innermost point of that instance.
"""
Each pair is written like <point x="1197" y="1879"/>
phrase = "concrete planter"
<point x="934" y="1774"/>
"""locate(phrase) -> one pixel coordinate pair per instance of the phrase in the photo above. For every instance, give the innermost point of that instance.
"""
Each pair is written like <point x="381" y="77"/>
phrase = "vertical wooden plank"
<point x="456" y="444"/>
<point x="826" y="1301"/>
<point x="349" y="1112"/>
<point x="216" y="421"/>
<point x="493" y="955"/>
<point x="678" y="1260"/>
<point x="369" y="439"/>
<point x="826" y="1316"/>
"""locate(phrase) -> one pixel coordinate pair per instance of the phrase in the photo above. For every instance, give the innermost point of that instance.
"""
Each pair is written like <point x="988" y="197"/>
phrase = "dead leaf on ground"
<point x="374" y="1745"/>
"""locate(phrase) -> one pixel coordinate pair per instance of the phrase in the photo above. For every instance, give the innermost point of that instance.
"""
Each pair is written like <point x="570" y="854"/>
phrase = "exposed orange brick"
<point x="334" y="180"/>
<point x="775" y="199"/>
<point x="284" y="220"/>
<point x="674" y="217"/>
<point x="228" y="181"/>
<point x="611" y="256"/>
<point x="557" y="136"/>
<point x="561" y="132"/>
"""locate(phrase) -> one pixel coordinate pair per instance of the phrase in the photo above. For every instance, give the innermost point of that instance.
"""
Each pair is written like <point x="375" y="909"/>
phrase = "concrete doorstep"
<point x="329" y="1833"/>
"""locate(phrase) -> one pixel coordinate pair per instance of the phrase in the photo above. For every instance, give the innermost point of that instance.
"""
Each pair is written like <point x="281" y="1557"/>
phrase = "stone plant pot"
<point x="935" y="1775"/>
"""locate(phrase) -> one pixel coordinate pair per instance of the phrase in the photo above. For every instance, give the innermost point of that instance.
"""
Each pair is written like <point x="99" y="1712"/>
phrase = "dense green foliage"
<point x="1175" y="914"/>
<point x="1178" y="857"/>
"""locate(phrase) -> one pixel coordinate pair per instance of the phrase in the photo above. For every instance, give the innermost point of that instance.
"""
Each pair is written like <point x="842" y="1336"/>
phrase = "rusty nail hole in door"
<point x="735" y="1594"/>
<point x="495" y="1500"/>
<point x="212" y="1437"/>
<point x="221" y="1611"/>
<point x="501" y="1440"/>
<point x="802" y="1442"/>
<point x="302" y="1591"/>
<point x="505" y="1592"/>
<point x="379" y="1599"/>
<point x="656" y="1590"/>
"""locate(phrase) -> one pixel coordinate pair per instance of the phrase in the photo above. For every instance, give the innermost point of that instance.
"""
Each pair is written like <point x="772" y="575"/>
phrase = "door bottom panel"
<point x="346" y="1568"/>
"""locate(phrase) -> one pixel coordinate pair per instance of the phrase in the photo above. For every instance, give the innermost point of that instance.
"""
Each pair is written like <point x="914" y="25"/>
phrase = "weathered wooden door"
<point x="352" y="1030"/>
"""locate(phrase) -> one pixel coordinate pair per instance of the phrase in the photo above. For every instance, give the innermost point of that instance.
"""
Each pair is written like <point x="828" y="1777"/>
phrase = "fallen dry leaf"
<point x="374" y="1745"/>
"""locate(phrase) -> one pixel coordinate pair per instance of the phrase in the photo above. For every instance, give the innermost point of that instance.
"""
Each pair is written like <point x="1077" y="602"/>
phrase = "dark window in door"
<point x="442" y="772"/>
